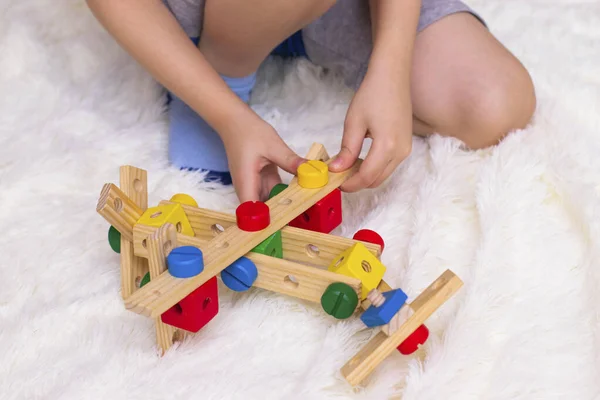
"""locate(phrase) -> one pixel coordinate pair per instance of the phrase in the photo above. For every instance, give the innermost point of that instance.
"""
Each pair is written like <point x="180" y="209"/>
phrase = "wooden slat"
<point x="118" y="209"/>
<point x="297" y="243"/>
<point x="165" y="291"/>
<point x="317" y="152"/>
<point x="381" y="346"/>
<point x="134" y="185"/>
<point x="160" y="243"/>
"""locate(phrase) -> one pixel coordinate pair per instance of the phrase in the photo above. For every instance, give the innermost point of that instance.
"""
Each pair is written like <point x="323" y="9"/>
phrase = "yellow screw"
<point x="313" y="174"/>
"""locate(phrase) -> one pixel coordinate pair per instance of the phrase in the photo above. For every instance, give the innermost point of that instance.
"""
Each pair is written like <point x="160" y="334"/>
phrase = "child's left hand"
<point x="381" y="109"/>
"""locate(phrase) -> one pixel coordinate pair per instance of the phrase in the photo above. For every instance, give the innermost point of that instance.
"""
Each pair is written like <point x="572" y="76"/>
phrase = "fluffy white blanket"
<point x="518" y="223"/>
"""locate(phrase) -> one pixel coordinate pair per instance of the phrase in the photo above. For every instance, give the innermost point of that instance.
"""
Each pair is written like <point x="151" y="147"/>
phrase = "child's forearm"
<point x="394" y="32"/>
<point x="150" y="33"/>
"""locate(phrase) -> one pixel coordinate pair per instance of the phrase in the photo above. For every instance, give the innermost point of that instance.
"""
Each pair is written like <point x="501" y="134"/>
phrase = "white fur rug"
<point x="519" y="224"/>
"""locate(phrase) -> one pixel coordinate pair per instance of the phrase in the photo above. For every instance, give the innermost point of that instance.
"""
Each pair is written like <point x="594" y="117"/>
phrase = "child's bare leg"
<point x="238" y="34"/>
<point x="236" y="37"/>
<point x="467" y="85"/>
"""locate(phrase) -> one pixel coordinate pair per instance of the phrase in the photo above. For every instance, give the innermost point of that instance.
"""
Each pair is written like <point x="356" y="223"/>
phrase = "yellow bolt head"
<point x="183" y="198"/>
<point x="313" y="174"/>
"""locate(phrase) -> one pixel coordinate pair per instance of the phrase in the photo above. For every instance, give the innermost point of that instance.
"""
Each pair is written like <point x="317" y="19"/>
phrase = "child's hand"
<point x="254" y="151"/>
<point x="381" y="109"/>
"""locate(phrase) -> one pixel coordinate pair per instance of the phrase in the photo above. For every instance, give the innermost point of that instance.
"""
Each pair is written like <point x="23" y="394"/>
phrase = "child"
<point x="418" y="66"/>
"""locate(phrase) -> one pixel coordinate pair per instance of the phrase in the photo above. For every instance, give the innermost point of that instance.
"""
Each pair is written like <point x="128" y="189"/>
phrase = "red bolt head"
<point x="411" y="343"/>
<point x="369" y="236"/>
<point x="252" y="216"/>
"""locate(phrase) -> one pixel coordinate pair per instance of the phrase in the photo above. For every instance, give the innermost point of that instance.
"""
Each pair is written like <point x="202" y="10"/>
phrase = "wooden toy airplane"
<point x="171" y="255"/>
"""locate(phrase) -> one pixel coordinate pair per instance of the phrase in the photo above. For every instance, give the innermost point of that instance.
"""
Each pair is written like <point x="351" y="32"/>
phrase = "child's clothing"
<point x="340" y="39"/>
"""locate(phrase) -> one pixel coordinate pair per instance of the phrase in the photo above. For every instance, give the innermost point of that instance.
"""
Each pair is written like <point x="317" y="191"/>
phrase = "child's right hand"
<point x="254" y="151"/>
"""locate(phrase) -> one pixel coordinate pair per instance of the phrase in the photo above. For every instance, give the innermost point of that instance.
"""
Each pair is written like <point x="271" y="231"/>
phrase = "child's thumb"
<point x="350" y="150"/>
<point x="285" y="158"/>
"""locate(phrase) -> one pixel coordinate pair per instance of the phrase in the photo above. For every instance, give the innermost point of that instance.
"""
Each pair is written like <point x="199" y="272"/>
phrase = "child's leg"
<point x="235" y="37"/>
<point x="464" y="82"/>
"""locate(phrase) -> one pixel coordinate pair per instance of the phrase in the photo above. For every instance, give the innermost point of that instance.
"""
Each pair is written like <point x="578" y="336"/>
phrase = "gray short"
<point x="340" y="39"/>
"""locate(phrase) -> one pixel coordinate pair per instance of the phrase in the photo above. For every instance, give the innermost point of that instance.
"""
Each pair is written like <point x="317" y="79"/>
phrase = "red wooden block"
<point x="324" y="216"/>
<point x="369" y="236"/>
<point x="411" y="343"/>
<point x="252" y="216"/>
<point x="196" y="309"/>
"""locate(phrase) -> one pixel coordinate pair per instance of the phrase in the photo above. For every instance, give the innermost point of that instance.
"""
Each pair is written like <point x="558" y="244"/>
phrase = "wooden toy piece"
<point x="183" y="198"/>
<point x="412" y="343"/>
<point x="282" y="276"/>
<point x="134" y="186"/>
<point x="252" y="216"/>
<point x="359" y="263"/>
<point x="317" y="152"/>
<point x="324" y="216"/>
<point x="397" y="320"/>
<point x="196" y="310"/>
<point x="172" y="213"/>
<point x="119" y="210"/>
<point x="114" y="239"/>
<point x="383" y="307"/>
<point x="240" y="275"/>
<point x="298" y="244"/>
<point x="159" y="245"/>
<point x="185" y="262"/>
<point x="145" y="279"/>
<point x="381" y="346"/>
<point x="313" y="174"/>
<point x="369" y="236"/>
<point x="339" y="300"/>
<point x="165" y="291"/>
<point x="271" y="246"/>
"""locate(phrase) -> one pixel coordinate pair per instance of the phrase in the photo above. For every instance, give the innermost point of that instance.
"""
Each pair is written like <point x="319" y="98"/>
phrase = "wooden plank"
<point x="317" y="152"/>
<point x="134" y="184"/>
<point x="381" y="346"/>
<point x="165" y="291"/>
<point x="119" y="210"/>
<point x="160" y="243"/>
<point x="299" y="245"/>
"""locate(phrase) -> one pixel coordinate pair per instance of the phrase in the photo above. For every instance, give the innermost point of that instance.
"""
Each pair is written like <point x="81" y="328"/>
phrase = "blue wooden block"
<point x="377" y="316"/>
<point x="185" y="262"/>
<point x="240" y="275"/>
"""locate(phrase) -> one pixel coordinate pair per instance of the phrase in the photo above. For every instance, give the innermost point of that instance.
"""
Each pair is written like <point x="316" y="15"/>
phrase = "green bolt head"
<point x="114" y="239"/>
<point x="280" y="187"/>
<point x="339" y="300"/>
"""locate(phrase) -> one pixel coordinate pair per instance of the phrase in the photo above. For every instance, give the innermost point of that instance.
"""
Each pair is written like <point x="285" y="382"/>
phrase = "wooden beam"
<point x="317" y="152"/>
<point x="134" y="185"/>
<point x="165" y="291"/>
<point x="381" y="346"/>
<point x="119" y="210"/>
<point x="299" y="245"/>
<point x="160" y="243"/>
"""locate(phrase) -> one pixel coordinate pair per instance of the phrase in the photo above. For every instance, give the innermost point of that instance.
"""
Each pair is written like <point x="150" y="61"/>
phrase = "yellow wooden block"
<point x="172" y="213"/>
<point x="358" y="262"/>
<point x="183" y="198"/>
<point x="313" y="174"/>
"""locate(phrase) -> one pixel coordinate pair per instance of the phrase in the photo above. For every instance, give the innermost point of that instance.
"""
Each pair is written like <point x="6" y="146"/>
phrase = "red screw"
<point x="252" y="216"/>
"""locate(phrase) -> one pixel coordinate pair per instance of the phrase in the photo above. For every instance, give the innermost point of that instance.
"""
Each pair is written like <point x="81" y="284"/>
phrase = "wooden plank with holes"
<point x="381" y="346"/>
<point x="274" y="274"/>
<point x="160" y="243"/>
<point x="298" y="244"/>
<point x="165" y="291"/>
<point x="118" y="209"/>
<point x="134" y="184"/>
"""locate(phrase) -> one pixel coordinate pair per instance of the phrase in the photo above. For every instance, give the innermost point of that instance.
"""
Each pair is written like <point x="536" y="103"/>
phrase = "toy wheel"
<point x="114" y="239"/>
<point x="339" y="300"/>
<point x="411" y="343"/>
<point x="369" y="236"/>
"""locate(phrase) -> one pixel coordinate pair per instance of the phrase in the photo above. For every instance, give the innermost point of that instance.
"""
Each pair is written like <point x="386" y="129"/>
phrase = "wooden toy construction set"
<point x="171" y="255"/>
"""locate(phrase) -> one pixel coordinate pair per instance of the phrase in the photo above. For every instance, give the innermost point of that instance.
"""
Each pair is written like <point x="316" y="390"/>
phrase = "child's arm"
<point x="149" y="32"/>
<point x="381" y="108"/>
<point x="152" y="35"/>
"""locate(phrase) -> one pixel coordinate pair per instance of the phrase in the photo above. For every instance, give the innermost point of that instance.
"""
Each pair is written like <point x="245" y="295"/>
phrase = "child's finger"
<point x="284" y="157"/>
<point x="247" y="185"/>
<point x="352" y="141"/>
<point x="375" y="163"/>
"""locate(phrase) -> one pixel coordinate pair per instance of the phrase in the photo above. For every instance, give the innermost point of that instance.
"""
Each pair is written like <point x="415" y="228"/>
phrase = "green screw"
<point x="339" y="300"/>
<point x="114" y="239"/>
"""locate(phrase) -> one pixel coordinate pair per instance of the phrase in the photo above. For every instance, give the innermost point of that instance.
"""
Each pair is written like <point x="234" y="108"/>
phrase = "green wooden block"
<point x="272" y="246"/>
<point x="145" y="279"/>
<point x="114" y="239"/>
<point x="280" y="187"/>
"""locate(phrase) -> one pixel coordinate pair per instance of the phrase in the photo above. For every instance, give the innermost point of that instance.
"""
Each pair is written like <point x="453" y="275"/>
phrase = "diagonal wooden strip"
<point x="134" y="184"/>
<point x="165" y="291"/>
<point x="381" y="346"/>
<point x="119" y="210"/>
<point x="298" y="244"/>
<point x="317" y="152"/>
<point x="160" y="243"/>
